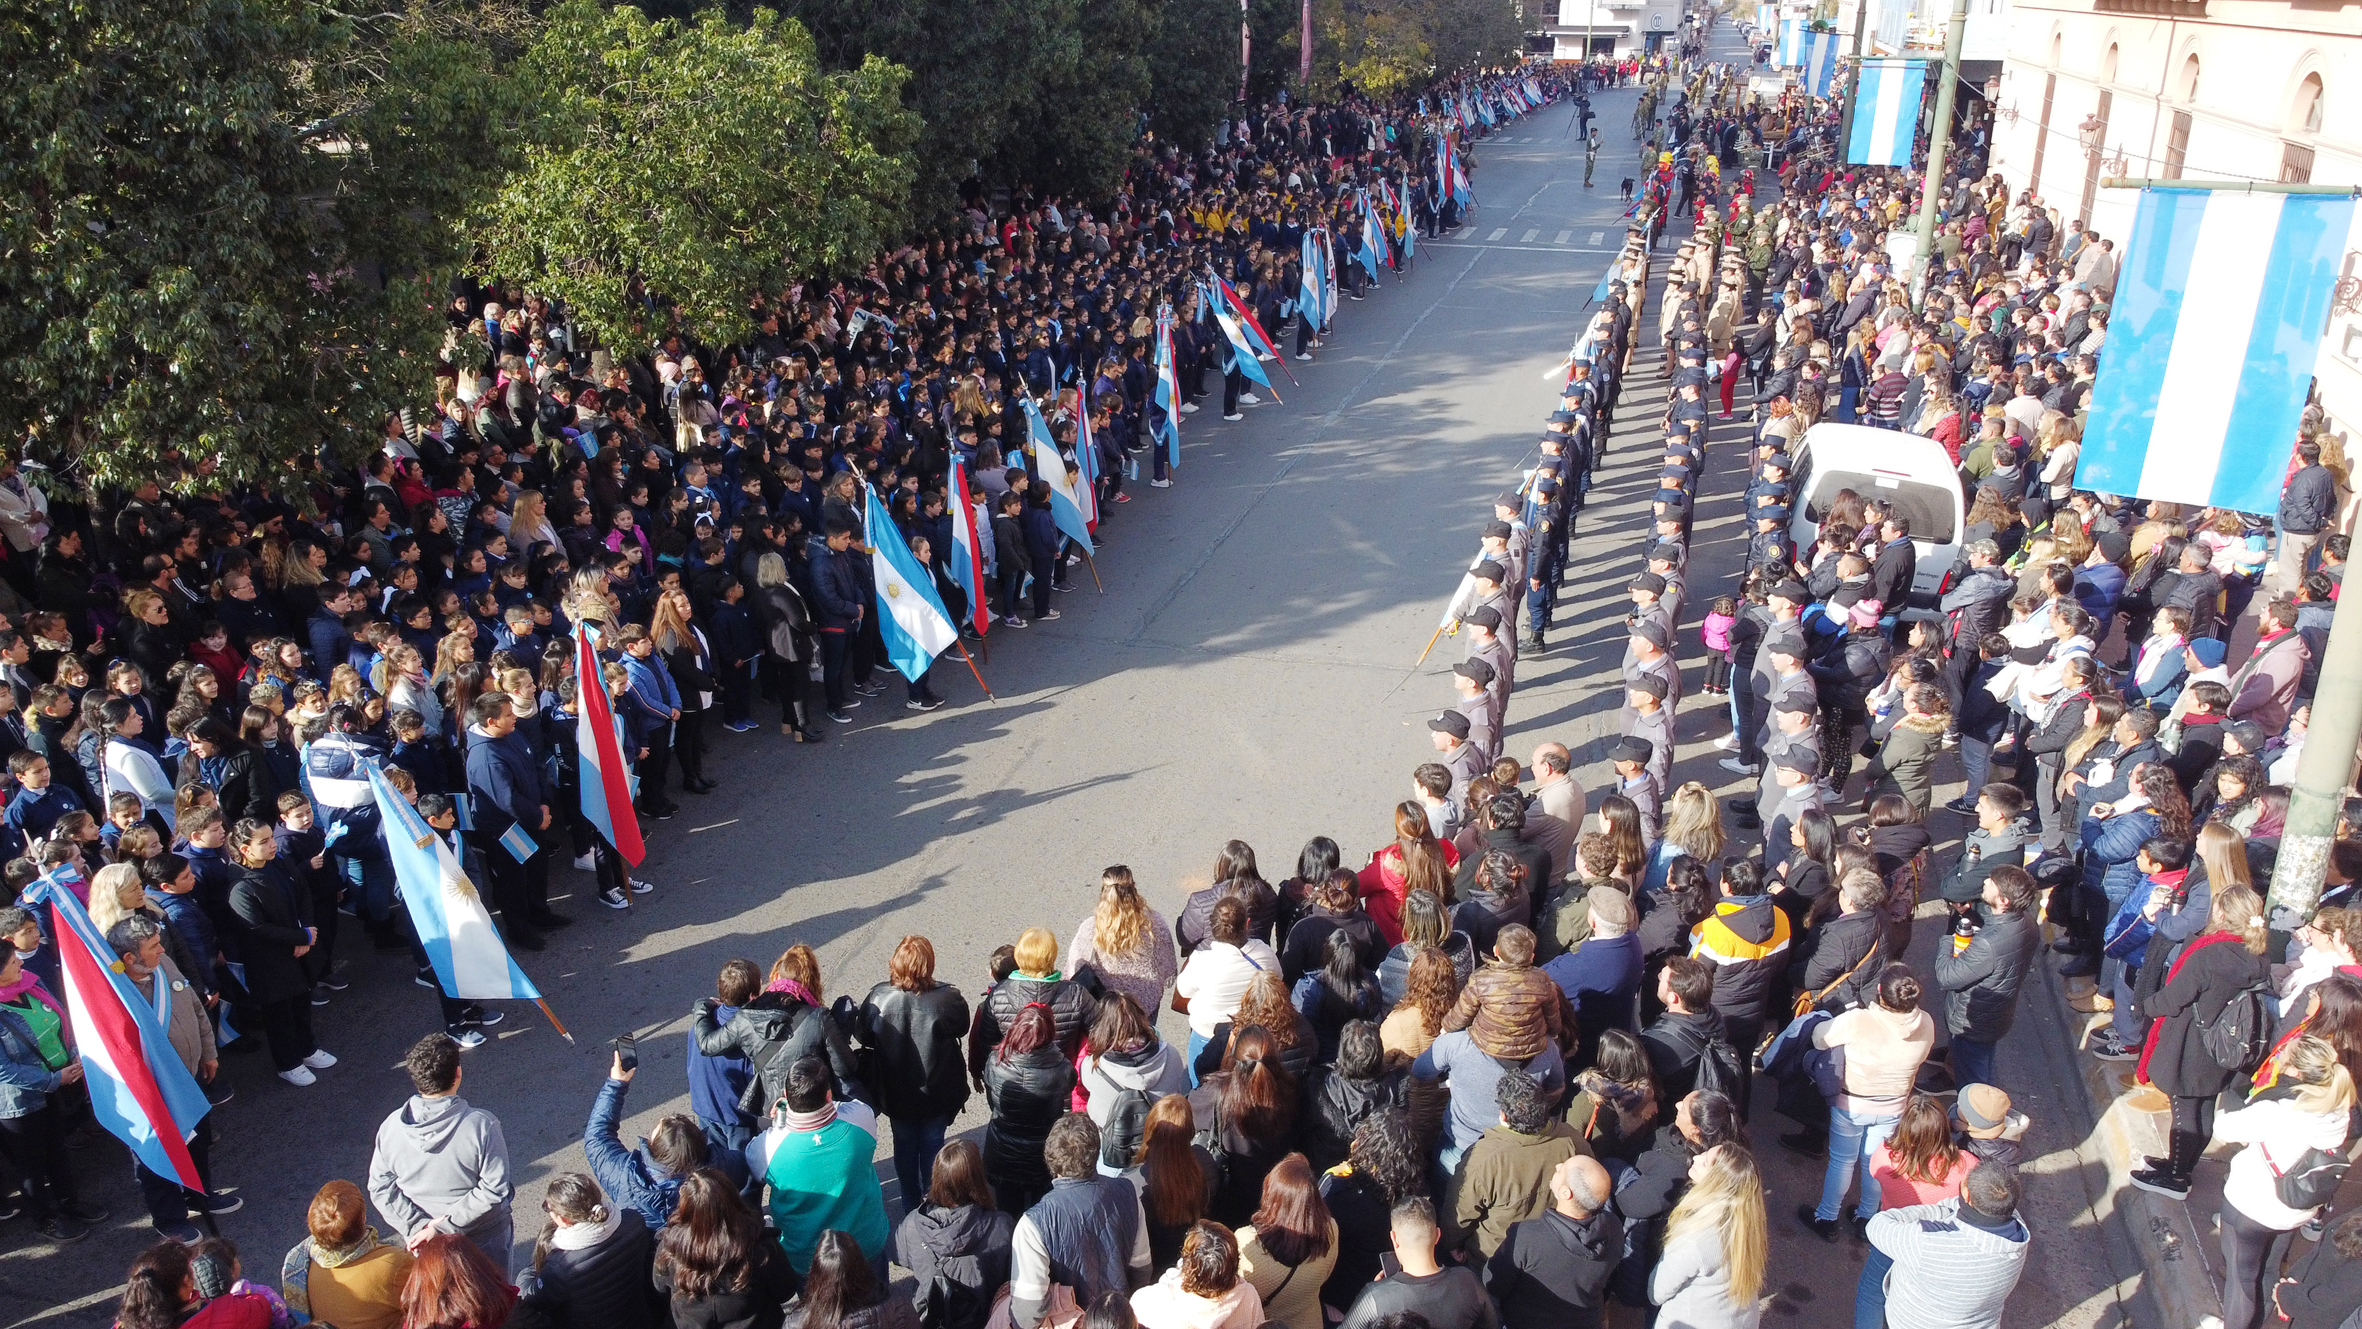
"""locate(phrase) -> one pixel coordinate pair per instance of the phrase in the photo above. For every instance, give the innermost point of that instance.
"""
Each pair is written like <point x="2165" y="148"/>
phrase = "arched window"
<point x="2305" y="115"/>
<point x="2188" y="92"/>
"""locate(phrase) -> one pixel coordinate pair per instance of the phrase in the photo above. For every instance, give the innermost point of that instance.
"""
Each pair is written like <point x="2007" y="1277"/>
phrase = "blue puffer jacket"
<point x="26" y="1082"/>
<point x="2109" y="847"/>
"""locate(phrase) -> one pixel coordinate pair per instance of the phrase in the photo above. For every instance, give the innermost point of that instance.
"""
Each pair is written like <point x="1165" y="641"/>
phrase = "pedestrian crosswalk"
<point x="1498" y="232"/>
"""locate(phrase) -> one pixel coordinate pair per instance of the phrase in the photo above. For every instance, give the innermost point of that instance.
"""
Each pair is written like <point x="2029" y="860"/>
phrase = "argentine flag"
<point x="466" y="952"/>
<point x="1791" y="50"/>
<point x="1886" y="112"/>
<point x="1242" y="352"/>
<point x="2210" y="272"/>
<point x="1050" y="468"/>
<point x="1168" y="395"/>
<point x="911" y="617"/>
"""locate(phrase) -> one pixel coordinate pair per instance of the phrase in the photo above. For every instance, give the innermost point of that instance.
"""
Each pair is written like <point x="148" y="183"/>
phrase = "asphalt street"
<point x="1248" y="671"/>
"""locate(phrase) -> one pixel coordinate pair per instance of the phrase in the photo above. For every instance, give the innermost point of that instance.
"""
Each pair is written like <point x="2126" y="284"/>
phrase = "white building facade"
<point x="2214" y="90"/>
<point x="1616" y="28"/>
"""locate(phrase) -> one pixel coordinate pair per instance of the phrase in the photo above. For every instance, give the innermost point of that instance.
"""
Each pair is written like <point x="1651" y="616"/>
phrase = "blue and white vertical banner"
<point x="1820" y="63"/>
<point x="1767" y="17"/>
<point x="1886" y="112"/>
<point x="2220" y="303"/>
<point x="1792" y="36"/>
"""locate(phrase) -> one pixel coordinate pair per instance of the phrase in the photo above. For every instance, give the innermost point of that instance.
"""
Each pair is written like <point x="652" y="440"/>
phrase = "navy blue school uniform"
<point x="30" y="815"/>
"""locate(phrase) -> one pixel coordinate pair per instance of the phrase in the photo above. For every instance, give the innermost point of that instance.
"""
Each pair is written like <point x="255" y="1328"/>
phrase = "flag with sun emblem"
<point x="469" y="958"/>
<point x="911" y="616"/>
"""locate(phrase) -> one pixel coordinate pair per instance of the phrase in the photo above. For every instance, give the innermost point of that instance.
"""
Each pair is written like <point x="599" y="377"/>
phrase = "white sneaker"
<point x="1737" y="767"/>
<point x="1249" y="399"/>
<point x="1727" y="743"/>
<point x="586" y="863"/>
<point x="1235" y="415"/>
<point x="1160" y="484"/>
<point x="299" y="1077"/>
<point x="1303" y="355"/>
<point x="640" y="887"/>
<point x="467" y="1038"/>
<point x="1189" y="408"/>
<point x="320" y="1060"/>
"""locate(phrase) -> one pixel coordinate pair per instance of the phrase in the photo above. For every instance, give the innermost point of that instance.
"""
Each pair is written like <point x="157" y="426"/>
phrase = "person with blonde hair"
<point x="1693" y="826"/>
<point x="1710" y="1275"/>
<point x="1036" y="982"/>
<point x="2220" y="962"/>
<point x="2302" y="1115"/>
<point x="1127" y="943"/>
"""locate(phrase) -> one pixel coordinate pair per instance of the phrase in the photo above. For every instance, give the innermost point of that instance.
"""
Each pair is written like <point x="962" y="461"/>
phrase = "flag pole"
<point x="1432" y="638"/>
<point x="1094" y="567"/>
<point x="963" y="648"/>
<point x="543" y="1003"/>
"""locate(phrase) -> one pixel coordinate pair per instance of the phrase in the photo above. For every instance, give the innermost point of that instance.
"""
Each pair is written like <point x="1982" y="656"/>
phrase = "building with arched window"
<point x="2261" y="90"/>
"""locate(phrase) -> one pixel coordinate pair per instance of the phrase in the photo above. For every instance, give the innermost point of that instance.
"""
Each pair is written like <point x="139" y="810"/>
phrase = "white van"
<point x="1910" y="472"/>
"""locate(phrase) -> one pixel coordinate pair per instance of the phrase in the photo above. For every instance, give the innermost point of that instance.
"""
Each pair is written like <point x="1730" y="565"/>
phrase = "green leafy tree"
<point x="973" y="65"/>
<point x="686" y="168"/>
<point x="218" y="221"/>
<point x="1195" y="73"/>
<point x="1075" y="134"/>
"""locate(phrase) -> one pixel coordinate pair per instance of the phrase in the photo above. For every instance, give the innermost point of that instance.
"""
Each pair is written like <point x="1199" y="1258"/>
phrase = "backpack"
<point x="2239" y="1036"/>
<point x="1127" y="1122"/>
<point x="2310" y="1180"/>
<point x="1721" y="1072"/>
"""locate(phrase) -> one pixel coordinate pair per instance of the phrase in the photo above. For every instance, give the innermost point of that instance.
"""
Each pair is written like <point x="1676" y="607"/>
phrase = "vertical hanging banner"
<point x="1886" y="112"/>
<point x="1820" y="63"/>
<point x="1791" y="51"/>
<point x="2213" y="280"/>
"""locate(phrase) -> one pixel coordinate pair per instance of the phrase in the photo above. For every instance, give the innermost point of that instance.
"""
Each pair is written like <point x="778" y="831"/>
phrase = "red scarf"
<point x="2149" y="1044"/>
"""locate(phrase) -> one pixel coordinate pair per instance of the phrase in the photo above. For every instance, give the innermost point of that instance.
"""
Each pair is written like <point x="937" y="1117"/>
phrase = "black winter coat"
<point x="1335" y="1107"/>
<point x="271" y="917"/>
<point x="772" y="1032"/>
<point x="1981" y="982"/>
<point x="605" y="1286"/>
<point x="915" y="1038"/>
<point x="1072" y="1008"/>
<point x="2209" y="971"/>
<point x="1308" y="941"/>
<point x="1553" y="1270"/>
<point x="761" y="1304"/>
<point x="1027" y="1094"/>
<point x="1834" y="948"/>
<point x="1197" y="916"/>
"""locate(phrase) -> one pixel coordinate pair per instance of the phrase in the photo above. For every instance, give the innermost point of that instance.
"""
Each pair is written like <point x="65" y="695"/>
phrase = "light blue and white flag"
<point x="2216" y="326"/>
<point x="1886" y="112"/>
<point x="1791" y="49"/>
<point x="1820" y="63"/>
<point x="454" y="926"/>
<point x="1066" y="508"/>
<point x="911" y="616"/>
<point x="1766" y="16"/>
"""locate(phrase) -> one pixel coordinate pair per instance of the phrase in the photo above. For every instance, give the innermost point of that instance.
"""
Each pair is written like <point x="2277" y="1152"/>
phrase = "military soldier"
<point x="1449" y="732"/>
<point x="1631" y="757"/>
<point x="1649" y="650"/>
<point x="1472" y="680"/>
<point x="1485" y="643"/>
<point x="1645" y="716"/>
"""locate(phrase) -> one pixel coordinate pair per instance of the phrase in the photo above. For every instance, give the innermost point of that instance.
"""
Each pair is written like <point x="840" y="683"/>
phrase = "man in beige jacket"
<point x="139" y="941"/>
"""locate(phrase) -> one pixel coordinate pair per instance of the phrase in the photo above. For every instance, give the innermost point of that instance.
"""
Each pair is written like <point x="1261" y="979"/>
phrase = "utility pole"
<point x="2321" y="771"/>
<point x="1853" y="78"/>
<point x="1932" y="184"/>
